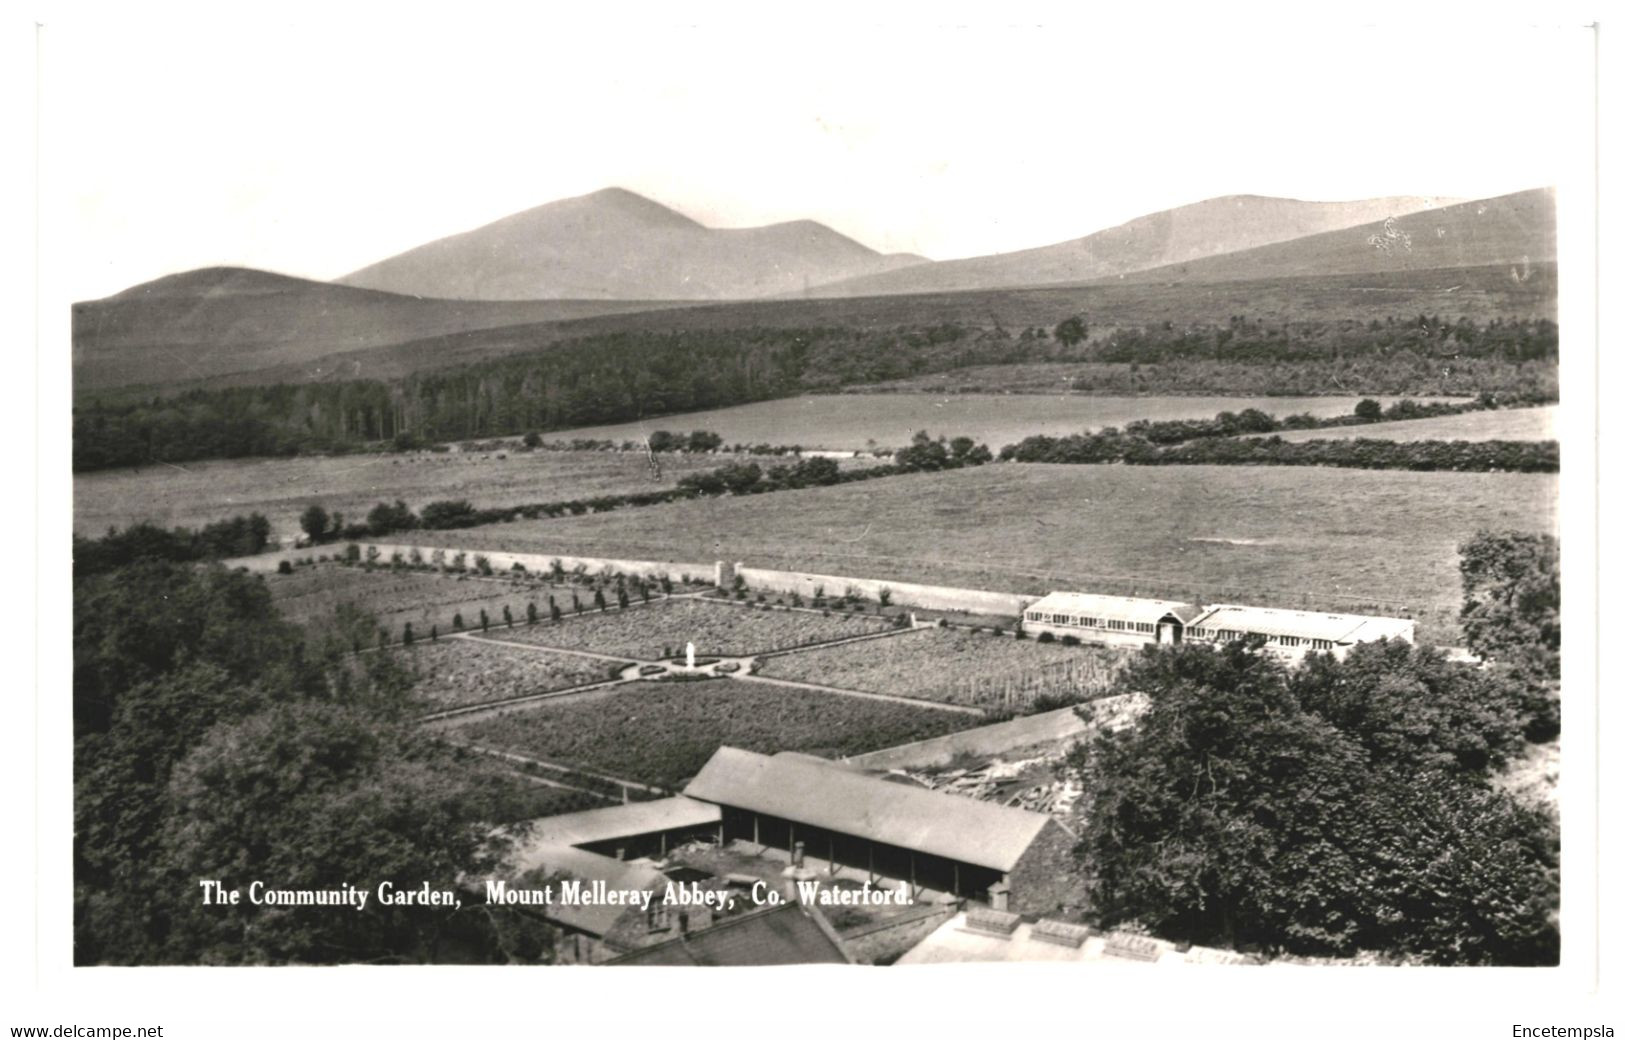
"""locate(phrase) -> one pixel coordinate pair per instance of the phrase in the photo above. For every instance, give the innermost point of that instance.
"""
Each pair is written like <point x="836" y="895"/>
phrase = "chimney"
<point x="999" y="895"/>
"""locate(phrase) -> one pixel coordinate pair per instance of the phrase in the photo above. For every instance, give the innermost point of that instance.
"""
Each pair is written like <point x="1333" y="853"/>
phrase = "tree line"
<point x="238" y="536"/>
<point x="1494" y="456"/>
<point x="1344" y="807"/>
<point x="1231" y="439"/>
<point x="215" y="740"/>
<point x="629" y="376"/>
<point x="923" y="453"/>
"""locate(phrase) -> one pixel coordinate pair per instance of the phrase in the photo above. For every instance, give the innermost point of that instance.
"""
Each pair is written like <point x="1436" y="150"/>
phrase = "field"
<point x="661" y="733"/>
<point x="663" y="629"/>
<point x="954" y="665"/>
<point x="201" y="492"/>
<point x="853" y="422"/>
<point x="1506" y="424"/>
<point x="398" y="598"/>
<point x="455" y="672"/>
<point x="1325" y="539"/>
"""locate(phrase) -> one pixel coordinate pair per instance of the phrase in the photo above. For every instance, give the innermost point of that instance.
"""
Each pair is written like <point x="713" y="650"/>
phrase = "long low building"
<point x="1130" y="621"/>
<point x="853" y="822"/>
<point x="1297" y="632"/>
<point x="1114" y="620"/>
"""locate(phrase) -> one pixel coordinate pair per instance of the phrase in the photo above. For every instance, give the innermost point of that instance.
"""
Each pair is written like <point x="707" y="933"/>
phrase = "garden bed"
<point x="662" y="733"/>
<point x="457" y="672"/>
<point x="716" y="629"/>
<point x="957" y="666"/>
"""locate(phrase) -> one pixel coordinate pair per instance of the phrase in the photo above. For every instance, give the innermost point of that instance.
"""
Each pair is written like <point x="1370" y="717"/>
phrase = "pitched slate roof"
<point x="787" y="934"/>
<point x="1121" y="608"/>
<point x="1306" y="624"/>
<point x="823" y="794"/>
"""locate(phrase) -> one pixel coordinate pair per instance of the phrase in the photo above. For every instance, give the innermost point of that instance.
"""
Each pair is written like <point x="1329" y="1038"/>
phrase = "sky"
<point x="313" y="143"/>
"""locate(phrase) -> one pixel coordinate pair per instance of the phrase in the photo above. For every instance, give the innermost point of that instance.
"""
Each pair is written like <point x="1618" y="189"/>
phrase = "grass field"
<point x="202" y="492"/>
<point x="1507" y="424"/>
<point x="454" y="672"/>
<point x="952" y="665"/>
<point x="844" y="422"/>
<point x="1327" y="539"/>
<point x="662" y="732"/>
<point x="663" y="629"/>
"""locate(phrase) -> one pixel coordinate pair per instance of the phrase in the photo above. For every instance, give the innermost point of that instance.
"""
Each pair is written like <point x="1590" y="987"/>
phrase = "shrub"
<point x="284" y="567"/>
<point x="457" y="621"/>
<point x="1046" y="637"/>
<point x="1070" y="641"/>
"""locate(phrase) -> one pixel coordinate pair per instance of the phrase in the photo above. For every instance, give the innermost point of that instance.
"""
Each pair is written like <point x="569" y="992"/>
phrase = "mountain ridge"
<point x="616" y="244"/>
<point x="1182" y="233"/>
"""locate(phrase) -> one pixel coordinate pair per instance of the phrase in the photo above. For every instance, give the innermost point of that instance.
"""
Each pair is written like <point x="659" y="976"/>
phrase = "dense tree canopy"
<point x="216" y="741"/>
<point x="1233" y="812"/>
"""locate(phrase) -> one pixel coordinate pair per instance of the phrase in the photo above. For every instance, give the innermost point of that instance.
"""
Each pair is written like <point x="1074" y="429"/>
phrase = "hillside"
<point x="1209" y="228"/>
<point x="1511" y="232"/>
<point x="1482" y="294"/>
<point x="223" y="320"/>
<point x="617" y="245"/>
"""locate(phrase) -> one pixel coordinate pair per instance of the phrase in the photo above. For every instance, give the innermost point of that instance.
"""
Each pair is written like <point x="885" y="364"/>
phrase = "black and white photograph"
<point x="1000" y="505"/>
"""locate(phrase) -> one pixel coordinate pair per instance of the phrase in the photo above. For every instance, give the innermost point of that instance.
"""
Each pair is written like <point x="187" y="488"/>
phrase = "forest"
<point x="1345" y="808"/>
<point x="629" y="376"/>
<point x="215" y="740"/>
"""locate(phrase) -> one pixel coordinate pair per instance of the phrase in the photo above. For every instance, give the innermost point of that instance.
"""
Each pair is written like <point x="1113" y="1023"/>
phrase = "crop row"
<point x="956" y="666"/>
<point x="661" y="733"/>
<point x="663" y="629"/>
<point x="455" y="672"/>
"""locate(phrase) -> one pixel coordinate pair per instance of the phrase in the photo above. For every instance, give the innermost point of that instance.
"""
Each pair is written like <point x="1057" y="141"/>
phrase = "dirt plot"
<point x="665" y="628"/>
<point x="1502" y="424"/>
<point x="455" y="672"/>
<point x="954" y="665"/>
<point x="661" y="733"/>
<point x="398" y="598"/>
<point x="1322" y="539"/>
<point x="201" y="492"/>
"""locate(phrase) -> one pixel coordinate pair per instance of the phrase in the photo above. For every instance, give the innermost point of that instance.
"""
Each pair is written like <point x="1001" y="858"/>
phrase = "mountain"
<point x="614" y="244"/>
<point x="1511" y="232"/>
<point x="1202" y="229"/>
<point x="220" y="320"/>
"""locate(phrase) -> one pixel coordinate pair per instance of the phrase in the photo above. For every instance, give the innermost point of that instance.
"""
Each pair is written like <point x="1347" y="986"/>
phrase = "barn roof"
<point x="823" y="794"/>
<point x="787" y="934"/>
<point x="624" y="821"/>
<point x="1306" y="624"/>
<point x="1123" y="608"/>
<point x="617" y="875"/>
